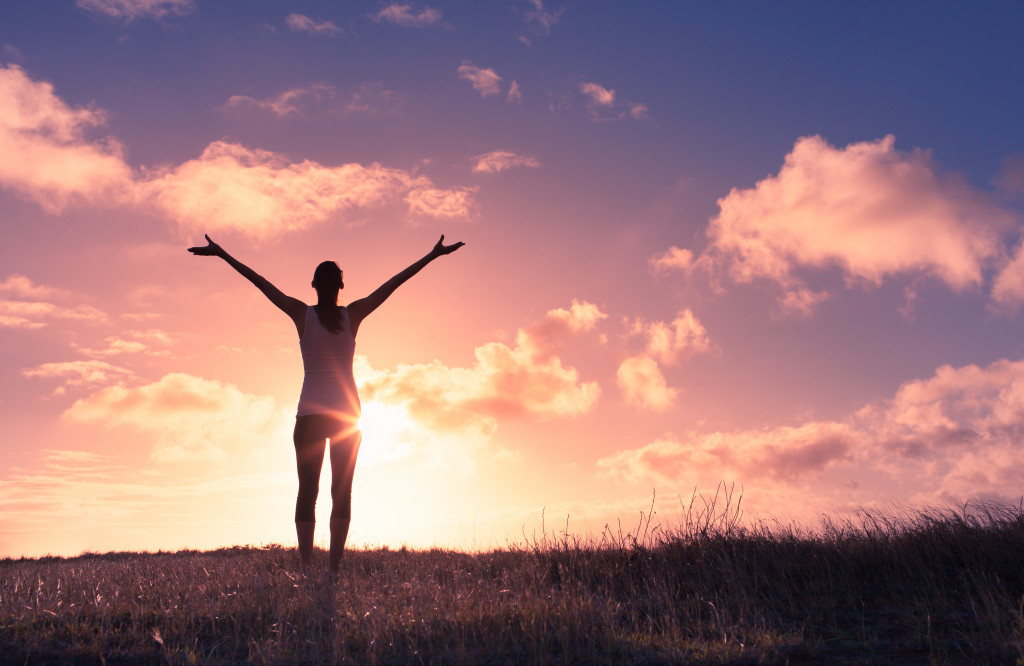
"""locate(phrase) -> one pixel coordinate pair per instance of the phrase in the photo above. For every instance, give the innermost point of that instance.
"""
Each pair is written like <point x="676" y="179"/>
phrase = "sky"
<point x="773" y="247"/>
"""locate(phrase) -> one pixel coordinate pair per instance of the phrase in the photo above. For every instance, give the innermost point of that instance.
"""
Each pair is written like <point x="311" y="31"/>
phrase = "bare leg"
<point x="343" y="466"/>
<point x="310" y="442"/>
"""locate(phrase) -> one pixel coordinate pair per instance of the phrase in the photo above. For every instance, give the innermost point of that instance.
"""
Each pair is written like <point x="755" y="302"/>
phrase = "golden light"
<point x="388" y="432"/>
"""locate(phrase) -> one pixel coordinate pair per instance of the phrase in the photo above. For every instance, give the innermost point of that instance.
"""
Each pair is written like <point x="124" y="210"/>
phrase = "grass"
<point x="932" y="586"/>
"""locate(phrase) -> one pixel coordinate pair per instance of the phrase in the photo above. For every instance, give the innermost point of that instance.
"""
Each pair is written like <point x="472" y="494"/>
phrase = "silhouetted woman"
<point x="329" y="404"/>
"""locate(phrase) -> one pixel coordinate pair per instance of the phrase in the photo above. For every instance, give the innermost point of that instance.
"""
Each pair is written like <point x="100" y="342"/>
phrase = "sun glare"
<point x="387" y="432"/>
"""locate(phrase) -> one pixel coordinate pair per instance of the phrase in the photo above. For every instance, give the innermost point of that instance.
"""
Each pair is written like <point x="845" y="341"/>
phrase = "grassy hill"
<point x="926" y="587"/>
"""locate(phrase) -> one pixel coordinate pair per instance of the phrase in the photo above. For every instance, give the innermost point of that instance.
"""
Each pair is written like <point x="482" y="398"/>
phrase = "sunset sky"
<point x="776" y="245"/>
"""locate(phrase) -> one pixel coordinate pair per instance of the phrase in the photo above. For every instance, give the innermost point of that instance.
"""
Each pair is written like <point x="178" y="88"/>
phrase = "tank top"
<point x="328" y="386"/>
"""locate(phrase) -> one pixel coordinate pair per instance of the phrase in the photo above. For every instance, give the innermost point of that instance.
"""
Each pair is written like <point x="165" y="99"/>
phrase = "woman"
<point x="329" y="404"/>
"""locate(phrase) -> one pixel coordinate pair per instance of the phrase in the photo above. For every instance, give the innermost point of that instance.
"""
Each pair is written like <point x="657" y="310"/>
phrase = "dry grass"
<point x="925" y="587"/>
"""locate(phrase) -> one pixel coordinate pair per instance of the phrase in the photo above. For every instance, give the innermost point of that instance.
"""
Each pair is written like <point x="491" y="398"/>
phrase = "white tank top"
<point x="328" y="386"/>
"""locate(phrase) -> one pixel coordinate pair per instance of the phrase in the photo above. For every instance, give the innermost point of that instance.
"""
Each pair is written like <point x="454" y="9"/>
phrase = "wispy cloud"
<point x="539" y="21"/>
<point x="450" y="204"/>
<point x="515" y="95"/>
<point x="288" y="103"/>
<point x="485" y="81"/>
<point x="369" y="99"/>
<point x="604" y="104"/>
<point x="80" y="374"/>
<point x="131" y="10"/>
<point x="406" y="16"/>
<point x="497" y="161"/>
<point x="302" y="23"/>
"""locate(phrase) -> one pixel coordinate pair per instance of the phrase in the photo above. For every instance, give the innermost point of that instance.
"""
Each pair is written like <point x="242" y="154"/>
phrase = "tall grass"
<point x="931" y="586"/>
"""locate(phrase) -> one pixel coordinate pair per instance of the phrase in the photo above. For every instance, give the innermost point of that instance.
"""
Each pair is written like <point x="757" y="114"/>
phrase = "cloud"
<point x="44" y="155"/>
<point x="131" y="10"/>
<point x="643" y="385"/>
<point x="80" y="374"/>
<point x="949" y="436"/>
<point x="497" y="161"/>
<point x="524" y="380"/>
<point x="453" y="204"/>
<point x="22" y="287"/>
<point x="869" y="210"/>
<point x="668" y="342"/>
<point x="131" y="342"/>
<point x="404" y="15"/>
<point x="603" y="104"/>
<point x="370" y="99"/>
<point x="187" y="417"/>
<point x="515" y="95"/>
<point x="674" y="259"/>
<point x="779" y="454"/>
<point x="261" y="194"/>
<point x="34" y="314"/>
<point x="288" y="103"/>
<point x="301" y="23"/>
<point x="485" y="81"/>
<point x="44" y="152"/>
<point x="539" y="21"/>
<point x="598" y="94"/>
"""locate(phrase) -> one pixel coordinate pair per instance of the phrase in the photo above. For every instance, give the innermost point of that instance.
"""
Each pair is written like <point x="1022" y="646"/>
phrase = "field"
<point x="931" y="586"/>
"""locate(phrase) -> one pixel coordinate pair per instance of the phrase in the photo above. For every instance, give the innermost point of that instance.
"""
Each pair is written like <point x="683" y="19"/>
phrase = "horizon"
<point x="776" y="247"/>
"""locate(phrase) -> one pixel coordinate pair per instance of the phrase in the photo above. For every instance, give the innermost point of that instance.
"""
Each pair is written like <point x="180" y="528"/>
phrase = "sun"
<point x="388" y="432"/>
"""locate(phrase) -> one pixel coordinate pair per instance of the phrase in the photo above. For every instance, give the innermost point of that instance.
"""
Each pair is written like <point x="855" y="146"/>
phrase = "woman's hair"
<point x="327" y="281"/>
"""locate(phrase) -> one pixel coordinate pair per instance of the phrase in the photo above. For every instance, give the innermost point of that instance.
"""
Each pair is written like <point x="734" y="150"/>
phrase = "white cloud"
<point x="301" y="23"/>
<point x="130" y="10"/>
<point x="643" y="385"/>
<point x="44" y="153"/>
<point x="188" y="417"/>
<point x="405" y="16"/>
<point x="485" y="81"/>
<point x="868" y="209"/>
<point x="497" y="161"/>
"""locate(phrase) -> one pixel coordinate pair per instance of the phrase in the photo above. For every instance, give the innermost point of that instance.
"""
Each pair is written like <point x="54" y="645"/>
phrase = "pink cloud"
<point x="130" y="10"/>
<point x="81" y="374"/>
<point x="668" y="342"/>
<point x="301" y="23"/>
<point x="497" y="161"/>
<point x="44" y="152"/>
<point x="643" y="385"/>
<point x="598" y="94"/>
<point x="452" y="204"/>
<point x="484" y="81"/>
<point x="954" y="435"/>
<point x="188" y="417"/>
<point x="288" y="103"/>
<point x="515" y="95"/>
<point x="867" y="209"/>
<point x="404" y="15"/>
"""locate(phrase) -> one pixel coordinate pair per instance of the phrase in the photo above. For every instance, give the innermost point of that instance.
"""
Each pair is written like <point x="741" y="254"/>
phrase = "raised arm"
<point x="358" y="310"/>
<point x="292" y="307"/>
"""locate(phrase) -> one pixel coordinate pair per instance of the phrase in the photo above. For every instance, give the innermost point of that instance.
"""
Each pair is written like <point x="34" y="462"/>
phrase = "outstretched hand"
<point x="441" y="249"/>
<point x="209" y="250"/>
